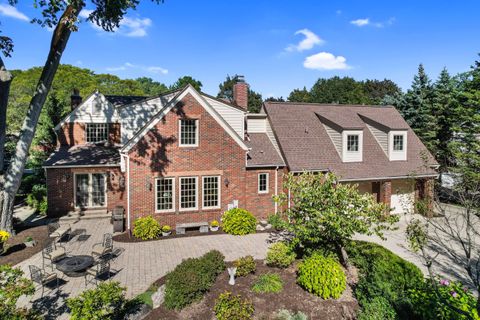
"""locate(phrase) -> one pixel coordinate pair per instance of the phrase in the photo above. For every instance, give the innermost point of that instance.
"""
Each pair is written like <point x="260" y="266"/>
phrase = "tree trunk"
<point x="14" y="172"/>
<point x="5" y="80"/>
<point x="342" y="254"/>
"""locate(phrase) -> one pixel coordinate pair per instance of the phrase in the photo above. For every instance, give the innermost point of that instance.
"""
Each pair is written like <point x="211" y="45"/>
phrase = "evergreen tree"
<point x="377" y="90"/>
<point x="184" y="81"/>
<point x="255" y="100"/>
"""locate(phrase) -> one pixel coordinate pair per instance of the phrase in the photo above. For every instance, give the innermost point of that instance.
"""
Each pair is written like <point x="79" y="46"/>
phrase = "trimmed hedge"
<point x="239" y="222"/>
<point x="189" y="281"/>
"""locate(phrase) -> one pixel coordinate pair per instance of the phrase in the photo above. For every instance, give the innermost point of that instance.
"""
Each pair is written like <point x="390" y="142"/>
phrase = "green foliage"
<point x="239" y="222"/>
<point x="146" y="297"/>
<point x="277" y="222"/>
<point x="439" y="300"/>
<point x="106" y="301"/>
<point x="378" y="308"/>
<point x="268" y="283"/>
<point x="190" y="279"/>
<point x="322" y="276"/>
<point x="328" y="213"/>
<point x="284" y="314"/>
<point x="416" y="235"/>
<point x="166" y="228"/>
<point x="12" y="286"/>
<point x="184" y="81"/>
<point x="383" y="274"/>
<point x="146" y="228"/>
<point x="231" y="307"/>
<point x="280" y="255"/>
<point x="245" y="266"/>
<point x="37" y="199"/>
<point x="300" y="95"/>
<point x="226" y="92"/>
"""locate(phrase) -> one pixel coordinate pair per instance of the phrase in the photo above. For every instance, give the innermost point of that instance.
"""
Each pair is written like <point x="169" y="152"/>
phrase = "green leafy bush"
<point x="280" y="255"/>
<point x="276" y="221"/>
<point x="245" y="266"/>
<point x="106" y="301"/>
<point x="37" y="198"/>
<point x="190" y="280"/>
<point x="322" y="276"/>
<point x="377" y="309"/>
<point x="146" y="228"/>
<point x="13" y="285"/>
<point x="270" y="282"/>
<point x="284" y="314"/>
<point x="231" y="307"/>
<point x="239" y="222"/>
<point x="427" y="305"/>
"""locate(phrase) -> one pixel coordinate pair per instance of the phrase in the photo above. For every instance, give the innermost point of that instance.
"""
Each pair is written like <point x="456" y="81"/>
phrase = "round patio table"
<point x="75" y="266"/>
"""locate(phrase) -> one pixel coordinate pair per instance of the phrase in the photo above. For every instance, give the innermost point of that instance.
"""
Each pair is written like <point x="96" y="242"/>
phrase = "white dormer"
<point x="397" y="145"/>
<point x="352" y="145"/>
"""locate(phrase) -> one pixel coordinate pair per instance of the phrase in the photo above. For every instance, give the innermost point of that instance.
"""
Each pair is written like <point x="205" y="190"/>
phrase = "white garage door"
<point x="403" y="196"/>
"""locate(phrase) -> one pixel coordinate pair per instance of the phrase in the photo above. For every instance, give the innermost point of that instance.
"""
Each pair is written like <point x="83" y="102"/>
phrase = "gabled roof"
<point x="262" y="152"/>
<point x="306" y="145"/>
<point x="84" y="155"/>
<point x="164" y="111"/>
<point x="117" y="100"/>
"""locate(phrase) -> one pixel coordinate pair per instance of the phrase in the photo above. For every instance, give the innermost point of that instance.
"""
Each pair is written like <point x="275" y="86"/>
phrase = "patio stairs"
<point x="77" y="215"/>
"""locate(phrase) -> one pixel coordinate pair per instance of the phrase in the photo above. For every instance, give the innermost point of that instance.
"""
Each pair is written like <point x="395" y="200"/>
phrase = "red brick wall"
<point x="262" y="204"/>
<point x="60" y="193"/>
<point x="386" y="192"/>
<point x="73" y="133"/>
<point x="158" y="154"/>
<point x="240" y="94"/>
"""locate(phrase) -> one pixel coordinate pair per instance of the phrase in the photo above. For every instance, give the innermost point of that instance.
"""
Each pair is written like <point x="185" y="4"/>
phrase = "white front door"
<point x="90" y="190"/>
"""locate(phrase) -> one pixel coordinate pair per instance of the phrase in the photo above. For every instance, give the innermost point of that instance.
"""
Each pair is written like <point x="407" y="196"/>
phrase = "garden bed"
<point x="16" y="251"/>
<point x="292" y="297"/>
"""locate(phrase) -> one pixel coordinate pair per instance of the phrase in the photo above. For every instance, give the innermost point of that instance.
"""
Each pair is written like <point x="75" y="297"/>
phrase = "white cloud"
<point x="311" y="40"/>
<point x="361" y="22"/>
<point x="12" y="12"/>
<point x="128" y="65"/>
<point x="129" y="27"/>
<point x="325" y="61"/>
<point x="367" y="22"/>
<point x="85" y="13"/>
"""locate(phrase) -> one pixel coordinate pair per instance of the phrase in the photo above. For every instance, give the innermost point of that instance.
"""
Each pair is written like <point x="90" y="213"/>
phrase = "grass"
<point x="268" y="283"/>
<point x="146" y="297"/>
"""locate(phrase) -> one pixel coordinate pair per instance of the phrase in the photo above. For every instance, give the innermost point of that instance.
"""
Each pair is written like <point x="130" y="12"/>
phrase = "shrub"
<point x="214" y="223"/>
<point x="146" y="228"/>
<point x="270" y="282"/>
<point x="166" y="228"/>
<point x="239" y="222"/>
<point x="37" y="198"/>
<point x="191" y="279"/>
<point x="231" y="307"/>
<point x="322" y="276"/>
<point x="427" y="305"/>
<point x="12" y="286"/>
<point x="276" y="221"/>
<point x="245" y="266"/>
<point x="284" y="314"/>
<point x="106" y="301"/>
<point x="280" y="255"/>
<point x="4" y="236"/>
<point x="377" y="309"/>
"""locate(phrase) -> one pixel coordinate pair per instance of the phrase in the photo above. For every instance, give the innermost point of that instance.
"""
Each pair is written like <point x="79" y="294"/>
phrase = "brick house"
<point x="185" y="156"/>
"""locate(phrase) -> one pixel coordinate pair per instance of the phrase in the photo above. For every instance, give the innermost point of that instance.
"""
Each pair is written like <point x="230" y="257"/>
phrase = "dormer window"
<point x="397" y="142"/>
<point x="352" y="145"/>
<point x="188" y="133"/>
<point x="397" y="145"/>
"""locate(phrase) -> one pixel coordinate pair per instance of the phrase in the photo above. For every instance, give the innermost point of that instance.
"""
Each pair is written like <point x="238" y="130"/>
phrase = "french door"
<point x="90" y="190"/>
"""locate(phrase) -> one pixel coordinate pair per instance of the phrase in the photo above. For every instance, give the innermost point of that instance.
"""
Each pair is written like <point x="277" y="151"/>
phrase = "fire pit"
<point x="75" y="266"/>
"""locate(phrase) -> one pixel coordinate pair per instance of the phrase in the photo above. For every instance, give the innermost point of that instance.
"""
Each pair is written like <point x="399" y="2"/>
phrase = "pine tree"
<point x="255" y="99"/>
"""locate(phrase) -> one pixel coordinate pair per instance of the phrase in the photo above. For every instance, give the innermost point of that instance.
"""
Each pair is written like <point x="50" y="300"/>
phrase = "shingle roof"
<point x="306" y="145"/>
<point x="122" y="100"/>
<point x="262" y="152"/>
<point x="83" y="155"/>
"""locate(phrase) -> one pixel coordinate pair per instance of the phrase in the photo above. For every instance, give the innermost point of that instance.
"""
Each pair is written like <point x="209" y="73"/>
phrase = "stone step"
<point x="86" y="215"/>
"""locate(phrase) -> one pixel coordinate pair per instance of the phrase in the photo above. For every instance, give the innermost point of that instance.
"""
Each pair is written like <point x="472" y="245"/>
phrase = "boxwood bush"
<point x="189" y="281"/>
<point x="245" y="266"/>
<point x="280" y="255"/>
<point x="322" y="276"/>
<point x="231" y="307"/>
<point x="146" y="228"/>
<point x="239" y="222"/>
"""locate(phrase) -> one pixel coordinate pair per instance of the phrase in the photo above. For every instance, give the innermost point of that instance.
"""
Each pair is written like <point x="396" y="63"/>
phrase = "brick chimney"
<point x="75" y="99"/>
<point x="240" y="92"/>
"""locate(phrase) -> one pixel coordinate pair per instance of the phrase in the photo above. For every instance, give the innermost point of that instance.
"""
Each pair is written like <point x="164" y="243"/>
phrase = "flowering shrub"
<point x="4" y="236"/>
<point x="214" y="223"/>
<point x="166" y="228"/>
<point x="451" y="295"/>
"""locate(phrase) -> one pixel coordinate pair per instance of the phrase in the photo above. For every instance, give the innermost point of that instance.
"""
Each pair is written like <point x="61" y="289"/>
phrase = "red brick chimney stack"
<point x="75" y="99"/>
<point x="240" y="92"/>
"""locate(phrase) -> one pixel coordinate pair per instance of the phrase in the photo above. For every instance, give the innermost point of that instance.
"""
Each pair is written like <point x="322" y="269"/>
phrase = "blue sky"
<point x="278" y="45"/>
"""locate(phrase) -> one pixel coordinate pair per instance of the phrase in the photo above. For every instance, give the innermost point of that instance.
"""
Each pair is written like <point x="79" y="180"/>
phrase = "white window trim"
<point x="395" y="155"/>
<point x="352" y="156"/>
<point x="107" y="131"/>
<point x="219" y="193"/>
<point x="173" y="195"/>
<point x="90" y="189"/>
<point x="197" y="136"/>
<point x="258" y="182"/>
<point x="180" y="194"/>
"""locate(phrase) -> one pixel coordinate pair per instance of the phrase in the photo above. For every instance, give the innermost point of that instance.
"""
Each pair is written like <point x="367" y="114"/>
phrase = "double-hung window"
<point x="165" y="194"/>
<point x="398" y="142"/>
<point x="263" y="183"/>
<point x="352" y="143"/>
<point x="188" y="133"/>
<point x="188" y="193"/>
<point x="211" y="192"/>
<point x="96" y="132"/>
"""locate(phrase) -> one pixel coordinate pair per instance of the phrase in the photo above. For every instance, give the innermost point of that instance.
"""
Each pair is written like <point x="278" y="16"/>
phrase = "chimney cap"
<point x="239" y="78"/>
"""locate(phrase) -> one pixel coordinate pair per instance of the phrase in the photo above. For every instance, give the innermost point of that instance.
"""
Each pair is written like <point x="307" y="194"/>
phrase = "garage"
<point x="403" y="196"/>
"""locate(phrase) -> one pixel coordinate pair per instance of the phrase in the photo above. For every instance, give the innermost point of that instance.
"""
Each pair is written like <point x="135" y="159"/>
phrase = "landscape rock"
<point x="268" y="226"/>
<point x="158" y="297"/>
<point x="260" y="228"/>
<point x="263" y="222"/>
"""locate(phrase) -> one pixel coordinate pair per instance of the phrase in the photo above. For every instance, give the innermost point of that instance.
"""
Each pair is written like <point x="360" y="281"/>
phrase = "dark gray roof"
<point x="262" y="152"/>
<point x="121" y="100"/>
<point x="306" y="145"/>
<point x="84" y="155"/>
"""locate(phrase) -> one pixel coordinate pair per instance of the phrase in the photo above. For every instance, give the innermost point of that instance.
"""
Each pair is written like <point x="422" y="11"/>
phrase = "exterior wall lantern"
<point x="226" y="181"/>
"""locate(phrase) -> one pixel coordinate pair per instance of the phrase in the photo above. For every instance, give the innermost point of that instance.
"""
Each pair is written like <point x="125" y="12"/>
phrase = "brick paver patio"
<point x="141" y="263"/>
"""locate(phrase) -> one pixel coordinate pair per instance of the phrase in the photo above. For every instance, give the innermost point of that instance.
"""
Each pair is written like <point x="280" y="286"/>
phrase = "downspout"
<point x="276" y="189"/>
<point x="128" y="192"/>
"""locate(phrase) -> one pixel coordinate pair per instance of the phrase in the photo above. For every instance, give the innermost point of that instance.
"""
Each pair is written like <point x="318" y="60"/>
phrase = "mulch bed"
<point x="292" y="297"/>
<point x="16" y="251"/>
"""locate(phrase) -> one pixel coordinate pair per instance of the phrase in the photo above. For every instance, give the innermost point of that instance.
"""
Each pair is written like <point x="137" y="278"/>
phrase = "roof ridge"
<point x="330" y="104"/>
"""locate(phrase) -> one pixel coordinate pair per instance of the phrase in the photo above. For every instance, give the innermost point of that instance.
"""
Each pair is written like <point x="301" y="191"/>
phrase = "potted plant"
<point x="214" y="225"/>
<point x="4" y="236"/>
<point x="29" y="242"/>
<point x="166" y="230"/>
